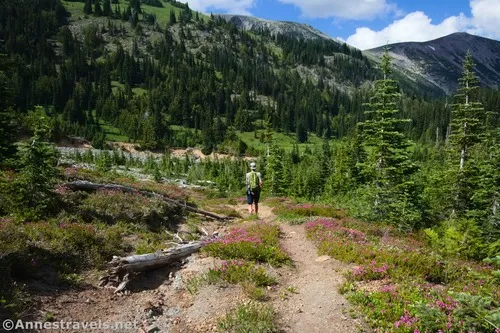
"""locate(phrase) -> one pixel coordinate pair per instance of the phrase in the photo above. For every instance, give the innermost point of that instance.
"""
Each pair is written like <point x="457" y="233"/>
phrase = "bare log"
<point x="88" y="186"/>
<point x="150" y="261"/>
<point x="122" y="269"/>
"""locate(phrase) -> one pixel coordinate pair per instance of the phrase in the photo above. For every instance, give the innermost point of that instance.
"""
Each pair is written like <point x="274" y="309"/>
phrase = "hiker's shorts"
<point x="253" y="196"/>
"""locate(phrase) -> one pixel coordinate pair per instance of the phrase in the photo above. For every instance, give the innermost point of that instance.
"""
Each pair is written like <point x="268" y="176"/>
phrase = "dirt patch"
<point x="158" y="302"/>
<point x="306" y="299"/>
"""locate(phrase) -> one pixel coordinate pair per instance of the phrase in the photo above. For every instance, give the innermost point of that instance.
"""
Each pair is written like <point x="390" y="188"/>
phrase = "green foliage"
<point x="30" y="194"/>
<point x="257" y="243"/>
<point x="389" y="162"/>
<point x="7" y="128"/>
<point x="250" y="276"/>
<point x="458" y="238"/>
<point x="114" y="206"/>
<point x="288" y="211"/>
<point x="468" y="114"/>
<point x="275" y="182"/>
<point x="249" y="318"/>
<point x="31" y="250"/>
<point x="459" y="312"/>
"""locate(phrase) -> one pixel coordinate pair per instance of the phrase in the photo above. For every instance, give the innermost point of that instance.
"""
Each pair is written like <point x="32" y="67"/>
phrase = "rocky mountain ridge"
<point x="440" y="61"/>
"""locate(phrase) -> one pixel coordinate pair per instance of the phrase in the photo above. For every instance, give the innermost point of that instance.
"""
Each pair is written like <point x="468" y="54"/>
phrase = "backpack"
<point x="254" y="181"/>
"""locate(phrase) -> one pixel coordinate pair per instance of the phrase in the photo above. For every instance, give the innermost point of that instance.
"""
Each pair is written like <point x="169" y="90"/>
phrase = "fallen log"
<point x="122" y="269"/>
<point x="88" y="186"/>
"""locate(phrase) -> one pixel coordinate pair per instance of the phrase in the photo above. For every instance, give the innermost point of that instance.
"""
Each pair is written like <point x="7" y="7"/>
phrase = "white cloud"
<point x="485" y="19"/>
<point x="348" y="9"/>
<point x="241" y="7"/>
<point x="418" y="27"/>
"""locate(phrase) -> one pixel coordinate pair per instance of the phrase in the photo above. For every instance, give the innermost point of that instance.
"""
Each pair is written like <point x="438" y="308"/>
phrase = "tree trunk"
<point x="121" y="269"/>
<point x="88" y="186"/>
<point x="151" y="261"/>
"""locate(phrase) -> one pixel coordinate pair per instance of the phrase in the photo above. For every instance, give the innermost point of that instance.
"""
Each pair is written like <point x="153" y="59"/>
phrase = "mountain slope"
<point x="292" y="29"/>
<point x="439" y="61"/>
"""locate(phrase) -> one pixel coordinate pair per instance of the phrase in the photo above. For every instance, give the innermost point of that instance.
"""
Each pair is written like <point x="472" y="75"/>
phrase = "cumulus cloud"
<point x="229" y="6"/>
<point x="418" y="27"/>
<point x="485" y="19"/>
<point x="348" y="9"/>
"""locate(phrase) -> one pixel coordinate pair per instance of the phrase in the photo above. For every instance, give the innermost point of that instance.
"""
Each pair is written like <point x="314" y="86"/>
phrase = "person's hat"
<point x="253" y="166"/>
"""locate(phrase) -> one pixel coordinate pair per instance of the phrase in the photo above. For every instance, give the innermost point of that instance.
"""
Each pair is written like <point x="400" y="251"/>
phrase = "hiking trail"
<point x="315" y="305"/>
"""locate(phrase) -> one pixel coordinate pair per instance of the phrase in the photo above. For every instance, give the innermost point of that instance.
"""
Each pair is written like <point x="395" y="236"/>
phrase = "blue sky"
<point x="371" y="23"/>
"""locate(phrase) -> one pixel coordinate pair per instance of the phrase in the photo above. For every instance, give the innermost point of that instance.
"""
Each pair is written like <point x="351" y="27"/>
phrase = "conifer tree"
<point x="467" y="114"/>
<point x="7" y="133"/>
<point x="388" y="162"/>
<point x="107" y="8"/>
<point x="173" y="18"/>
<point x="136" y="6"/>
<point x="467" y="130"/>
<point x="274" y="171"/>
<point x="97" y="8"/>
<point x="87" y="8"/>
<point x="33" y="193"/>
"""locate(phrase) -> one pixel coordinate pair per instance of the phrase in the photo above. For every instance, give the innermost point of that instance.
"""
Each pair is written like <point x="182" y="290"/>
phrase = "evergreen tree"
<point x="97" y="8"/>
<point x="467" y="130"/>
<point x="274" y="171"/>
<point x="32" y="194"/>
<point x="136" y="6"/>
<point x="87" y="8"/>
<point x="107" y="11"/>
<point x="7" y="130"/>
<point x="487" y="198"/>
<point x="388" y="149"/>
<point x="172" y="19"/>
<point x="467" y="114"/>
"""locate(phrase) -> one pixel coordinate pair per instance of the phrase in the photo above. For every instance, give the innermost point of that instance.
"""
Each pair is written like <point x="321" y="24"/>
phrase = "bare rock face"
<point x="440" y="61"/>
<point x="293" y="29"/>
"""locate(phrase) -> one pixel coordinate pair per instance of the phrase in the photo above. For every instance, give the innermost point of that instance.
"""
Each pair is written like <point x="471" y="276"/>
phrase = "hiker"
<point x="254" y="185"/>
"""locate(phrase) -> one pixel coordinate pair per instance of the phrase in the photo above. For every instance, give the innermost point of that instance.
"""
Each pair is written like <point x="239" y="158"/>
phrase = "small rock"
<point x="323" y="258"/>
<point x="152" y="329"/>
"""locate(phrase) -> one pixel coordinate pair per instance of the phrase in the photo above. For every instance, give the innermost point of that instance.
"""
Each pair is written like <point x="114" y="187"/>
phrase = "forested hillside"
<point x="161" y="73"/>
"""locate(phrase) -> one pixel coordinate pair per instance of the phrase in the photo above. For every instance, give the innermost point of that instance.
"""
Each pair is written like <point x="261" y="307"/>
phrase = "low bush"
<point x="114" y="206"/>
<point x="31" y="250"/>
<point x="249" y="318"/>
<point x="404" y="286"/>
<point x="308" y="210"/>
<point x="259" y="242"/>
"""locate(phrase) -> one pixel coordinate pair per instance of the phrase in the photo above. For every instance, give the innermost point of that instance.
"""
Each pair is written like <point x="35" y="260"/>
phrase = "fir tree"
<point x="274" y="171"/>
<point x="388" y="148"/>
<point x="7" y="130"/>
<point x="97" y="8"/>
<point x="33" y="192"/>
<point x="107" y="11"/>
<point x="173" y="19"/>
<point x="87" y="8"/>
<point x="467" y="114"/>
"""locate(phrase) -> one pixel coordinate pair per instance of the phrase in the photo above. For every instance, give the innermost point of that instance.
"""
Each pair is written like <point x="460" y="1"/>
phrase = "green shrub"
<point x="249" y="318"/>
<point x="114" y="206"/>
<point x="259" y="242"/>
<point x="233" y="272"/>
<point x="308" y="210"/>
<point x="31" y="249"/>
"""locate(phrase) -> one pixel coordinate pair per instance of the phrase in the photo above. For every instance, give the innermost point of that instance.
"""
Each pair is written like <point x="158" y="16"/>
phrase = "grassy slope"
<point x="162" y="14"/>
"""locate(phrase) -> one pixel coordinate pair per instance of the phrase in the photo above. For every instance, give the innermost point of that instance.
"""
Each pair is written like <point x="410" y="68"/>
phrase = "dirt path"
<point x="315" y="305"/>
